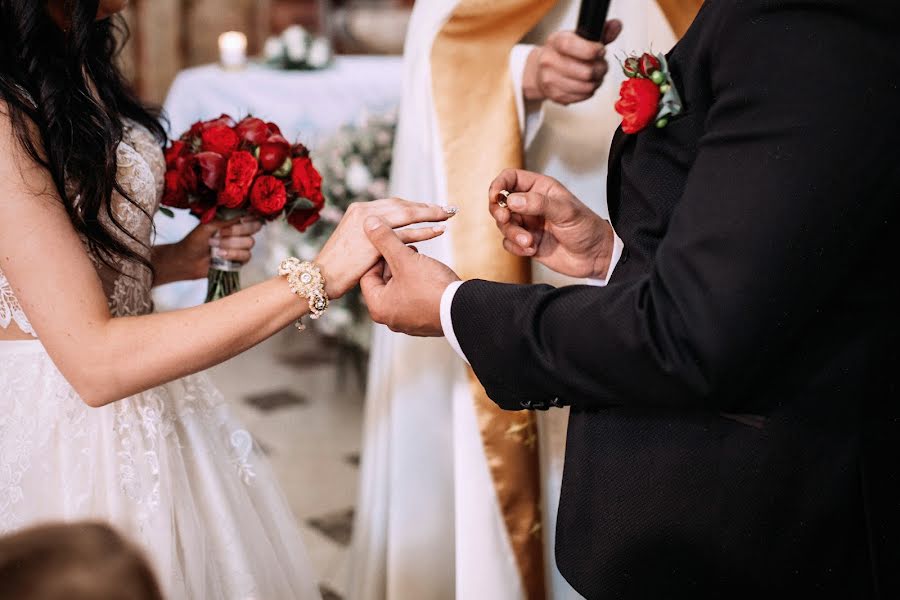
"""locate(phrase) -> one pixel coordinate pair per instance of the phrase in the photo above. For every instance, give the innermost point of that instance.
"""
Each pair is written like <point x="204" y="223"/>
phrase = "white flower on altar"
<point x="358" y="176"/>
<point x="379" y="188"/>
<point x="319" y="53"/>
<point x="307" y="251"/>
<point x="296" y="43"/>
<point x="273" y="50"/>
<point x="334" y="320"/>
<point x="332" y="214"/>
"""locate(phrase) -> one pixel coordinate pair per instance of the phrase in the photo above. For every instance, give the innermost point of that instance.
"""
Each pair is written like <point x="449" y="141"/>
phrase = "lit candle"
<point x="233" y="50"/>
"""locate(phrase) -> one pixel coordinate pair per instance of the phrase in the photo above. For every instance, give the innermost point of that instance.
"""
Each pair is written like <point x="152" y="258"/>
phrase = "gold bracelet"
<point x="306" y="280"/>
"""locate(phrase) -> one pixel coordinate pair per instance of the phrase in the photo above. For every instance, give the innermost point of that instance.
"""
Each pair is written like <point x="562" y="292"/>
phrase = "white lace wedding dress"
<point x="168" y="467"/>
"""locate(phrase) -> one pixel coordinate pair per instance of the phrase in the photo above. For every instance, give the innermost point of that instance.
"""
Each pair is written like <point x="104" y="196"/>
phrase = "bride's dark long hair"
<point x="66" y="99"/>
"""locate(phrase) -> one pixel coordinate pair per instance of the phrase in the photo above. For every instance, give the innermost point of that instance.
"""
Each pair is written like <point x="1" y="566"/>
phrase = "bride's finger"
<point x="244" y="228"/>
<point x="420" y="234"/>
<point x="233" y="243"/>
<point x="400" y="213"/>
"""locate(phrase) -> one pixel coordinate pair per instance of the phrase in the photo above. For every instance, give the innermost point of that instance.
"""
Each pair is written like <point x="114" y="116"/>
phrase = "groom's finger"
<point x="511" y="180"/>
<point x="373" y="284"/>
<point x="517" y="250"/>
<point x="537" y="205"/>
<point x="518" y="235"/>
<point x="388" y="244"/>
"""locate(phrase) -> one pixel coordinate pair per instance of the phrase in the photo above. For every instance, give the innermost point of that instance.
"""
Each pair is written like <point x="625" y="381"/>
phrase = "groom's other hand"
<point x="404" y="290"/>
<point x="568" y="68"/>
<point x="544" y="221"/>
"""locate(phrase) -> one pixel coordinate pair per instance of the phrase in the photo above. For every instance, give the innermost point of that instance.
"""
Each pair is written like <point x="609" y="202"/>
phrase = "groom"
<point x="735" y="427"/>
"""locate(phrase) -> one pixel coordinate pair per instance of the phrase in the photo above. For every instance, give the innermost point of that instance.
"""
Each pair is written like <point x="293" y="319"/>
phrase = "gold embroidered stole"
<point x="679" y="13"/>
<point x="475" y="102"/>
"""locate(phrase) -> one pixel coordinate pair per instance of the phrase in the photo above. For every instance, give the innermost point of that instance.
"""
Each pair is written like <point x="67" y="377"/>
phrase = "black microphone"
<point x="592" y="18"/>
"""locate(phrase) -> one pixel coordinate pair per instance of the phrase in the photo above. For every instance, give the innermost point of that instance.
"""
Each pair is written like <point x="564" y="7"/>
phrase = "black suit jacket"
<point x="735" y="429"/>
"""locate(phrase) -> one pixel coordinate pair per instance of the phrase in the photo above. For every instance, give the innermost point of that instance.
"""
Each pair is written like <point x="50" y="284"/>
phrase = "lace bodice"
<point x="142" y="175"/>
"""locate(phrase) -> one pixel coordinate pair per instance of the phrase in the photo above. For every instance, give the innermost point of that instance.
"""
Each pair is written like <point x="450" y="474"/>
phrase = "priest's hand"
<point x="404" y="290"/>
<point x="544" y="221"/>
<point x="568" y="68"/>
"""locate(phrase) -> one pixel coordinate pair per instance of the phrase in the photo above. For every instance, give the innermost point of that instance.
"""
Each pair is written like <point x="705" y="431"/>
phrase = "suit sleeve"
<point x="789" y="191"/>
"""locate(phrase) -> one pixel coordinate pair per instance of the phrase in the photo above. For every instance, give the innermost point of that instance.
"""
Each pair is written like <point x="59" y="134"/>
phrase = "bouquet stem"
<point x="224" y="278"/>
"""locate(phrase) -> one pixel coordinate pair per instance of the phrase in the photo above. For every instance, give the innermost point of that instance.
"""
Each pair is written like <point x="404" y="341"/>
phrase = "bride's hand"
<point x="349" y="254"/>
<point x="189" y="258"/>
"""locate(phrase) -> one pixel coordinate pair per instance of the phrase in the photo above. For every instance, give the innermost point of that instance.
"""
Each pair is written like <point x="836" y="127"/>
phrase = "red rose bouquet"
<point x="222" y="168"/>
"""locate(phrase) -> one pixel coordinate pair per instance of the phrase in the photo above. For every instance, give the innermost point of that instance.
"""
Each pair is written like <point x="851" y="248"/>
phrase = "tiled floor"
<point x="306" y="414"/>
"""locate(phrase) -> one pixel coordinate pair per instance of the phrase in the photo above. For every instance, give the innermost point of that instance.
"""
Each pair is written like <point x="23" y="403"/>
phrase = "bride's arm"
<point x="106" y="359"/>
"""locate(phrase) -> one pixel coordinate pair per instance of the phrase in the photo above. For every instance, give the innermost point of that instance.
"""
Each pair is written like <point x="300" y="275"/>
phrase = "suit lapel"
<point x="614" y="177"/>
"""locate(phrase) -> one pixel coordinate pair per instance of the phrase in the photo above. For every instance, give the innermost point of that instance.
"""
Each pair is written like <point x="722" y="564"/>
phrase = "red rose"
<point x="208" y="214"/>
<point x="273" y="128"/>
<point x="196" y="130"/>
<point x="174" y="152"/>
<point x="220" y="139"/>
<point x="299" y="151"/>
<point x="649" y="63"/>
<point x="273" y="153"/>
<point x="307" y="181"/>
<point x="174" y="194"/>
<point x="638" y="104"/>
<point x="212" y="169"/>
<point x="187" y="174"/>
<point x="239" y="174"/>
<point x="268" y="196"/>
<point x="204" y="207"/>
<point x="253" y="131"/>
<point x="632" y="66"/>
<point x="223" y="119"/>
<point x="301" y="220"/>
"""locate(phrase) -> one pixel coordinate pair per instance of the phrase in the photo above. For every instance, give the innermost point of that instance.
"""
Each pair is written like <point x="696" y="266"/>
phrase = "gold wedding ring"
<point x="501" y="198"/>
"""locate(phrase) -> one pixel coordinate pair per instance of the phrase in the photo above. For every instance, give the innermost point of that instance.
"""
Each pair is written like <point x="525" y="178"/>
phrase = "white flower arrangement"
<point x="297" y="49"/>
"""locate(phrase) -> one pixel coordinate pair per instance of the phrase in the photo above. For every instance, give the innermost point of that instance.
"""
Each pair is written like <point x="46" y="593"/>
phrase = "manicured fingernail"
<point x="522" y="240"/>
<point x="439" y="228"/>
<point x="214" y="242"/>
<point x="373" y="223"/>
<point x="516" y="202"/>
<point x="450" y="210"/>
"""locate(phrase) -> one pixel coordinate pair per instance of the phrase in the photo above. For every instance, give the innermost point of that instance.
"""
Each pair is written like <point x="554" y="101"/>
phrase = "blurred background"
<point x="170" y="35"/>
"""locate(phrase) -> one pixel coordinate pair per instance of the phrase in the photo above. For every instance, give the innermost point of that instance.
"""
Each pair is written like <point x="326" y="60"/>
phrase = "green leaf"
<point x="302" y="204"/>
<point x="167" y="211"/>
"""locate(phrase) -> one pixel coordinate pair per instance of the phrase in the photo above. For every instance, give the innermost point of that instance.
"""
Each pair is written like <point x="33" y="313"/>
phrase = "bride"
<point x="105" y="411"/>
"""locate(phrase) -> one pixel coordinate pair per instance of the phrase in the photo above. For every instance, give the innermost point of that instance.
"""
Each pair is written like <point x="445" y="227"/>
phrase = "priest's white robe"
<point x="428" y="525"/>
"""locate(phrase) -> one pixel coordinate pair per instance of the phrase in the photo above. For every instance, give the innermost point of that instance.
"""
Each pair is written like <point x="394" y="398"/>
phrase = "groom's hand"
<point x="544" y="221"/>
<point x="568" y="68"/>
<point x="404" y="290"/>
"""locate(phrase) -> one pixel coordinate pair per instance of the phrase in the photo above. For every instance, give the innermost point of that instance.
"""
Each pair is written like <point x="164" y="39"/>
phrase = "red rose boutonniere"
<point x="648" y="95"/>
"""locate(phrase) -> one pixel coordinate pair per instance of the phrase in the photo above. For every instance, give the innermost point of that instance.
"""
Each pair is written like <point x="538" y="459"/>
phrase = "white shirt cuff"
<point x="447" y="318"/>
<point x="450" y="294"/>
<point x="618" y="248"/>
<point x="531" y="114"/>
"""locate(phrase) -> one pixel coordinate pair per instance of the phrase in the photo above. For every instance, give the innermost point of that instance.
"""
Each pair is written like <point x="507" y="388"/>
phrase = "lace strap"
<point x="10" y="309"/>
